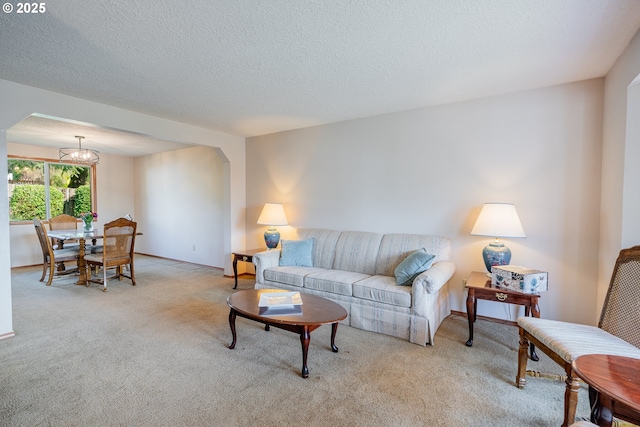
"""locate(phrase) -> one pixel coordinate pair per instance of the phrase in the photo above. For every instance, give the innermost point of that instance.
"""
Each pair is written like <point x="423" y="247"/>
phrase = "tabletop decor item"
<point x="88" y="218"/>
<point x="497" y="220"/>
<point x="272" y="214"/>
<point x="521" y="279"/>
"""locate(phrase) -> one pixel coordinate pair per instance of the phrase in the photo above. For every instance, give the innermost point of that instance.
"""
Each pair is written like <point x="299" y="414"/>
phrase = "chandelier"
<point x="79" y="155"/>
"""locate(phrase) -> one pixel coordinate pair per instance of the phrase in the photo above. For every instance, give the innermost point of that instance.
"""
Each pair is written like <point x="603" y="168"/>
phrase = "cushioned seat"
<point x="334" y="281"/>
<point x="293" y="276"/>
<point x="572" y="340"/>
<point x="383" y="289"/>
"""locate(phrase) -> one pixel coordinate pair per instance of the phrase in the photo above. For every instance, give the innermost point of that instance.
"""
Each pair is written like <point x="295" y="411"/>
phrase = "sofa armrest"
<point x="264" y="260"/>
<point x="435" y="277"/>
<point x="430" y="282"/>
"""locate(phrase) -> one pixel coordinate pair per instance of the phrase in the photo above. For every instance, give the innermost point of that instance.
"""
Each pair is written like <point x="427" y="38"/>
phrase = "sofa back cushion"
<point x="357" y="251"/>
<point x="394" y="248"/>
<point x="324" y="245"/>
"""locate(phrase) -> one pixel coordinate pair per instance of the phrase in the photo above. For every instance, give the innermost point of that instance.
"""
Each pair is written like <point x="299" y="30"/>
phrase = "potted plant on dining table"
<point x="88" y="218"/>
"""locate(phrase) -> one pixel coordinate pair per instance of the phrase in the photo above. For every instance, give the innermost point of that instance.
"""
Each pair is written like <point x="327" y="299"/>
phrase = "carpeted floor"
<point x="156" y="355"/>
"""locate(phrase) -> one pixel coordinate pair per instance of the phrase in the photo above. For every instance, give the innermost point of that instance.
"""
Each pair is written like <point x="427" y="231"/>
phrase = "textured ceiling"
<point x="252" y="67"/>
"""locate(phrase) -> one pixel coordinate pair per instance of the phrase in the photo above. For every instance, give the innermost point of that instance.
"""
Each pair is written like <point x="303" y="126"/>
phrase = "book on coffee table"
<point x="280" y="303"/>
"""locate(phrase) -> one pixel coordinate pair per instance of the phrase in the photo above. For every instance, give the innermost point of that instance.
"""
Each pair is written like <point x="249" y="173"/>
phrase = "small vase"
<point x="88" y="226"/>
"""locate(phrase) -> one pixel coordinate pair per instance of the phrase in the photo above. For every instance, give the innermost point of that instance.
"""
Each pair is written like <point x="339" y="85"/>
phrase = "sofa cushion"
<point x="289" y="275"/>
<point x="324" y="245"/>
<point x="417" y="262"/>
<point x="383" y="289"/>
<point x="335" y="281"/>
<point x="296" y="253"/>
<point x="357" y="251"/>
<point x="396" y="247"/>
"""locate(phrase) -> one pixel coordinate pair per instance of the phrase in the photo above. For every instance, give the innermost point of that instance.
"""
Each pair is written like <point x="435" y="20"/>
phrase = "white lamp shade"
<point x="272" y="214"/>
<point x="498" y="220"/>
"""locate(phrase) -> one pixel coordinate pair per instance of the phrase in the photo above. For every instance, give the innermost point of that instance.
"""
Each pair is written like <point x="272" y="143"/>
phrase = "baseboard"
<point x="490" y="319"/>
<point x="7" y="335"/>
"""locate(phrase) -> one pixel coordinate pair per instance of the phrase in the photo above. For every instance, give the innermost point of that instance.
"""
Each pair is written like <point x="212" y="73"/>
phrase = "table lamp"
<point x="497" y="220"/>
<point x="272" y="215"/>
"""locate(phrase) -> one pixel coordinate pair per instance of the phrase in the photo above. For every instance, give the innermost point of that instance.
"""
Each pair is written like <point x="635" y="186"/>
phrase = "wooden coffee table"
<point x="316" y="311"/>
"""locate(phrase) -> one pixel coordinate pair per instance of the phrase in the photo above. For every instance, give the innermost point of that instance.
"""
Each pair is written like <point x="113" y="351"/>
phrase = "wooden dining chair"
<point x="617" y="332"/>
<point x="63" y="222"/>
<point x="117" y="251"/>
<point x="51" y="256"/>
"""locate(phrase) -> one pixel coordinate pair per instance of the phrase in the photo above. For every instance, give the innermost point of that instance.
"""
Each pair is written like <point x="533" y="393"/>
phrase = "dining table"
<point x="81" y="236"/>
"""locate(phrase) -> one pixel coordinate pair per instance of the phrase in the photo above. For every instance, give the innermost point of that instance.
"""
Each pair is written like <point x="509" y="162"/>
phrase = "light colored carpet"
<point x="156" y="355"/>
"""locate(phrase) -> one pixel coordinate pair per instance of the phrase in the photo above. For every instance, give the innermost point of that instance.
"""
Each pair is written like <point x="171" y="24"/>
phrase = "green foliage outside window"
<point x="82" y="200"/>
<point x="28" y="202"/>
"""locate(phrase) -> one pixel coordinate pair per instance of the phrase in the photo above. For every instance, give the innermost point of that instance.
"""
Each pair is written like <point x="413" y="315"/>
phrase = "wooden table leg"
<point x="235" y="271"/>
<point x="471" y="315"/>
<point x="334" y="330"/>
<point x="232" y="324"/>
<point x="305" y="337"/>
<point x="536" y="313"/>
<point x="82" y="266"/>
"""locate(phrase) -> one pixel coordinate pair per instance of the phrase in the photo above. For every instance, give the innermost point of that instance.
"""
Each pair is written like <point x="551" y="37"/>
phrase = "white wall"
<point x="20" y="101"/>
<point x="114" y="175"/>
<point x="430" y="170"/>
<point x="6" y="318"/>
<point x="620" y="181"/>
<point x="181" y="192"/>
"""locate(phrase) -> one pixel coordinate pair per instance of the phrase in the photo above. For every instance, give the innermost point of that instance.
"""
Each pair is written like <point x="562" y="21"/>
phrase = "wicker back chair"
<point x="118" y="250"/>
<point x="617" y="332"/>
<point x="52" y="256"/>
<point x="63" y="222"/>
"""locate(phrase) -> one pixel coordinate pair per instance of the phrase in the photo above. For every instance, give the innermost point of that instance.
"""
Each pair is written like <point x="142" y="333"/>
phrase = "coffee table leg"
<point x="232" y="323"/>
<point x="305" y="337"/>
<point x="334" y="329"/>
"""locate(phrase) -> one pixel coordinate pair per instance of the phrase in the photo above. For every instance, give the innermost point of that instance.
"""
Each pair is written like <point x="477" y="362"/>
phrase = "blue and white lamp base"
<point x="496" y="254"/>
<point x="272" y="238"/>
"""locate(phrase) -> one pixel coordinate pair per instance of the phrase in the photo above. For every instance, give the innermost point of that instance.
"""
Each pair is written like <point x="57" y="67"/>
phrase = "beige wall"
<point x="620" y="204"/>
<point x="430" y="170"/>
<point x="181" y="193"/>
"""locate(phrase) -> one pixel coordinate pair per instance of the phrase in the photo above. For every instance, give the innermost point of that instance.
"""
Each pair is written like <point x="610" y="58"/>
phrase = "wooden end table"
<point x="316" y="311"/>
<point x="614" y="386"/>
<point x="479" y="287"/>
<point x="244" y="256"/>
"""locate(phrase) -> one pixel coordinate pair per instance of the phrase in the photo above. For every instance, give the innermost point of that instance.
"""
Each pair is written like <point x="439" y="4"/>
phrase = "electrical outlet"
<point x="194" y="248"/>
<point x="464" y="283"/>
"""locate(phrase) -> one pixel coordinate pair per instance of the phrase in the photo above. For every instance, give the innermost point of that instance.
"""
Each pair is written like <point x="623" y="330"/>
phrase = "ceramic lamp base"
<point x="272" y="238"/>
<point x="496" y="254"/>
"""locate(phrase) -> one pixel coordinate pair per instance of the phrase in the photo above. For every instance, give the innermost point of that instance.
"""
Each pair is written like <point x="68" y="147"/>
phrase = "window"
<point x="40" y="188"/>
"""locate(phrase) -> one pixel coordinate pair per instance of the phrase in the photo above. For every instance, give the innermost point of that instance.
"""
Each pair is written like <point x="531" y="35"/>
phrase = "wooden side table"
<point x="479" y="287"/>
<point x="244" y="256"/>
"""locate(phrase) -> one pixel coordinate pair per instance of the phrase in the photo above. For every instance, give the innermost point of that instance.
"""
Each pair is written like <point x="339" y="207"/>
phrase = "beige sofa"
<point x="356" y="269"/>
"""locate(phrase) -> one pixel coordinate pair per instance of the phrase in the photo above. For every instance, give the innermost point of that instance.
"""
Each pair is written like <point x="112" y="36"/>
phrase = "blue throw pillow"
<point x="416" y="263"/>
<point x="296" y="253"/>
